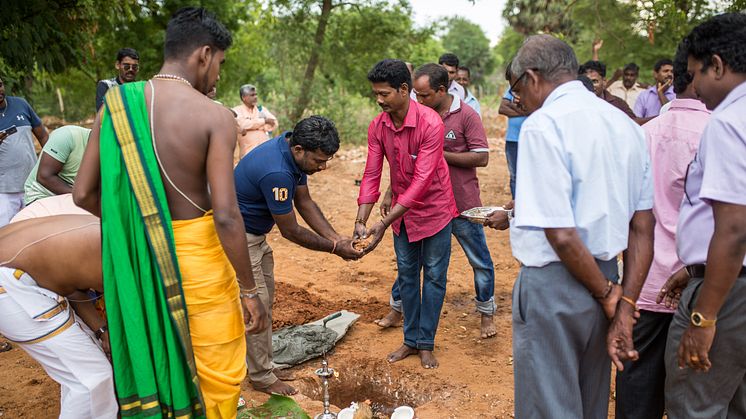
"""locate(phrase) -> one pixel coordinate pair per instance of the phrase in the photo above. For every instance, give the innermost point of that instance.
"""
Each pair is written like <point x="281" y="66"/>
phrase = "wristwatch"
<point x="698" y="320"/>
<point x="101" y="330"/>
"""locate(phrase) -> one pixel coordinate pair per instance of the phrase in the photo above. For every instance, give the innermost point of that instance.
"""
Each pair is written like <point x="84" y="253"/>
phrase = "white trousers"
<point x="10" y="204"/>
<point x="71" y="358"/>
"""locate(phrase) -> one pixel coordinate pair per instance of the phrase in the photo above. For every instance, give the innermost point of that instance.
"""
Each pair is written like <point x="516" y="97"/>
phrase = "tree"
<point x="468" y="41"/>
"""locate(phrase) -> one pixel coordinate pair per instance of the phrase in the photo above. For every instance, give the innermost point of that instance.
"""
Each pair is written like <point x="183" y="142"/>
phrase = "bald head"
<point x="552" y="58"/>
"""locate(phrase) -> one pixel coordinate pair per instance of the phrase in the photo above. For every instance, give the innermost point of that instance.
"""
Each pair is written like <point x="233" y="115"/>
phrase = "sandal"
<point x="241" y="402"/>
<point x="5" y="347"/>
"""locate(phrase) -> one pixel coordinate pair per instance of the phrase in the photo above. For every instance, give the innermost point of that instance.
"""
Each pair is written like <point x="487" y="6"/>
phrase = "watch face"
<point x="696" y="319"/>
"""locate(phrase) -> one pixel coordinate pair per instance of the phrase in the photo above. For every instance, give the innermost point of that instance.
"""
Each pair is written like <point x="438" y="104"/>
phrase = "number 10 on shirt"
<point x="281" y="194"/>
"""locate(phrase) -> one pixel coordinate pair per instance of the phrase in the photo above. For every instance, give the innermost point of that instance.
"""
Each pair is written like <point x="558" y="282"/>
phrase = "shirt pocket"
<point x="407" y="162"/>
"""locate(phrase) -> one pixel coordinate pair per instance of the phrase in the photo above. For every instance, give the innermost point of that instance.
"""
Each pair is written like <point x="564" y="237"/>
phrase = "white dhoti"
<point x="46" y="328"/>
<point x="10" y="204"/>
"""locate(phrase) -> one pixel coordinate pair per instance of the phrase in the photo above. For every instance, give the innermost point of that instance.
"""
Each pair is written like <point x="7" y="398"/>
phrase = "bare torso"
<point x="183" y="126"/>
<point x="66" y="256"/>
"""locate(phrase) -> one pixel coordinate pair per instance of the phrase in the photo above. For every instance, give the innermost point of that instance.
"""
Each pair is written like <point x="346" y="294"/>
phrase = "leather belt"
<point x="698" y="271"/>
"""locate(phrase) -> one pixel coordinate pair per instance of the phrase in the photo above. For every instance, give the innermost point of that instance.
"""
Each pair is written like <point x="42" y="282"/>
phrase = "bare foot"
<point x="278" y="387"/>
<point x="427" y="359"/>
<point x="488" y="327"/>
<point x="401" y="353"/>
<point x="391" y="319"/>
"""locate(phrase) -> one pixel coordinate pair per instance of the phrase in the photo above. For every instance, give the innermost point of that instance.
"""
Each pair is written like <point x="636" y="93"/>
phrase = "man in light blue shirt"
<point x="463" y="77"/>
<point x="510" y="107"/>
<point x="583" y="195"/>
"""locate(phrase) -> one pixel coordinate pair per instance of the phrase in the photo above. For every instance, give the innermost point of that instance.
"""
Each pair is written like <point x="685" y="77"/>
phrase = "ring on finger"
<point x="694" y="358"/>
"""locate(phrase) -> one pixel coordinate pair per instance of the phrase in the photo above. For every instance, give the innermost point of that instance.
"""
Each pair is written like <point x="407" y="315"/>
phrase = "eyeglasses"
<point x="512" y="86"/>
<point x="127" y="67"/>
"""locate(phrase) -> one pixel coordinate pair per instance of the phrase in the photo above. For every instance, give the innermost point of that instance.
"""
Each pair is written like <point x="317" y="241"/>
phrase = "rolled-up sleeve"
<point x="369" y="186"/>
<point x="425" y="164"/>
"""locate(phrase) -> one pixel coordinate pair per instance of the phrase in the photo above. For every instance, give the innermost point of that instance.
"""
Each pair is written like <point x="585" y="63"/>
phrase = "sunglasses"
<point x="128" y="67"/>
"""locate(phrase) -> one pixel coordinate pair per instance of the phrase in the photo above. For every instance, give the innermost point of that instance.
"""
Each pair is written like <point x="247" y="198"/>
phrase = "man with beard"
<point x="627" y="88"/>
<point x="127" y="64"/>
<point x="271" y="183"/>
<point x="648" y="104"/>
<point x="176" y="270"/>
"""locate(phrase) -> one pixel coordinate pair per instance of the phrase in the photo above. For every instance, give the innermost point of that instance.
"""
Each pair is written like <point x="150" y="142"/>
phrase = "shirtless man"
<point x="200" y="213"/>
<point x="42" y="260"/>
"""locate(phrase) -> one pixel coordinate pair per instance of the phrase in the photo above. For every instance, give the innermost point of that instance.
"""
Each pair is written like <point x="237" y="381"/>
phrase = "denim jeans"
<point x="472" y="240"/>
<point x="511" y="154"/>
<point x="422" y="310"/>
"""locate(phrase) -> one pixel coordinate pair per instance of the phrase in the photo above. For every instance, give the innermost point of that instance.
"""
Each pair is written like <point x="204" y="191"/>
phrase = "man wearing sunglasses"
<point x="128" y="64"/>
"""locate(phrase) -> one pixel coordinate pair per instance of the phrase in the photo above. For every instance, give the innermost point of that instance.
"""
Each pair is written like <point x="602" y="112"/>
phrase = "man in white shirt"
<point x="450" y="63"/>
<point x="463" y="77"/>
<point x="583" y="195"/>
<point x="627" y="88"/>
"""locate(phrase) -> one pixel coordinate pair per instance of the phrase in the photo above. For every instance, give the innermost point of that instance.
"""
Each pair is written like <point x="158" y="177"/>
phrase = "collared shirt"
<point x="672" y="140"/>
<point x="418" y="171"/>
<point x="473" y="102"/>
<point x="514" y="122"/>
<point x="464" y="133"/>
<point x="65" y="145"/>
<point x="649" y="104"/>
<point x="583" y="165"/>
<point x="266" y="180"/>
<point x="253" y="120"/>
<point x="457" y="90"/>
<point x="618" y="103"/>
<point x="17" y="152"/>
<point x="629" y="95"/>
<point x="717" y="173"/>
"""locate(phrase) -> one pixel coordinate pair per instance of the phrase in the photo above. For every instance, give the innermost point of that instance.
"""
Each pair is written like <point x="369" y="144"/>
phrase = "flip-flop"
<point x="241" y="402"/>
<point x="5" y="347"/>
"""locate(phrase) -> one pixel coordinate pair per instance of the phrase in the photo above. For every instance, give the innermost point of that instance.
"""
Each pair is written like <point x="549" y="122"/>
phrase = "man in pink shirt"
<point x="410" y="136"/>
<point x="673" y="139"/>
<point x="255" y="122"/>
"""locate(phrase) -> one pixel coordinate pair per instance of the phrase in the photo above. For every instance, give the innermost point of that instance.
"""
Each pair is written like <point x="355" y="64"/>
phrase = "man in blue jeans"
<point x="516" y="114"/>
<point x="410" y="137"/>
<point x="465" y="149"/>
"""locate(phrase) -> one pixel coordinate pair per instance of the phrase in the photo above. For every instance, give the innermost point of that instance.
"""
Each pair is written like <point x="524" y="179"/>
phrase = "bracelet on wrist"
<point x="606" y="291"/>
<point x="250" y="295"/>
<point x="251" y="290"/>
<point x="360" y="221"/>
<point x="384" y="223"/>
<point x="630" y="302"/>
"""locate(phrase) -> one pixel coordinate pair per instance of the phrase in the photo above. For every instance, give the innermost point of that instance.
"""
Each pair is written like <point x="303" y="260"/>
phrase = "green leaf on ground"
<point x="276" y="407"/>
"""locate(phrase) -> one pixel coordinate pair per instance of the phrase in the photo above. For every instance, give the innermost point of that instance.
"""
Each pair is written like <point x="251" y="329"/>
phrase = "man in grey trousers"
<point x="583" y="195"/>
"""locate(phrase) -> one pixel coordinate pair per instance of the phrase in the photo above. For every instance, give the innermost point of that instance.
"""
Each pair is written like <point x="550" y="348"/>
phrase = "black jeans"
<point x="639" y="388"/>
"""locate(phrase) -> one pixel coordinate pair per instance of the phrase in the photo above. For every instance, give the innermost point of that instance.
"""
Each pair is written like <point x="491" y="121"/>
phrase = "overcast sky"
<point x="485" y="13"/>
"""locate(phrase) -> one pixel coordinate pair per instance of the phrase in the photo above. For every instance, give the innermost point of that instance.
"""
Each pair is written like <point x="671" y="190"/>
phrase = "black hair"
<point x="436" y="74"/>
<point x="596" y="66"/>
<point x="468" y="71"/>
<point x="721" y="35"/>
<point x="191" y="28"/>
<point x="587" y="83"/>
<point x="632" y="66"/>
<point x="681" y="77"/>
<point x="393" y="72"/>
<point x="448" y="59"/>
<point x="316" y="133"/>
<point x="508" y="72"/>
<point x="660" y="63"/>
<point x="127" y="52"/>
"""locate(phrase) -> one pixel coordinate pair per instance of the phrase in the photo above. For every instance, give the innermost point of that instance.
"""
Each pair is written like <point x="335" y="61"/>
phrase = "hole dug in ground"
<point x="360" y="380"/>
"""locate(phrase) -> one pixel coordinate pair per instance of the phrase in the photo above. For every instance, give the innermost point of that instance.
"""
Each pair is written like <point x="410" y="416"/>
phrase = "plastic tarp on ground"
<point x="296" y="344"/>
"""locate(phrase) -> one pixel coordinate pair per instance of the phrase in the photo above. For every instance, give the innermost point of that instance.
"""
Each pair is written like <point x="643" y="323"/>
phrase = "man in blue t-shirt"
<point x="510" y="107"/>
<point x="19" y="124"/>
<point x="271" y="182"/>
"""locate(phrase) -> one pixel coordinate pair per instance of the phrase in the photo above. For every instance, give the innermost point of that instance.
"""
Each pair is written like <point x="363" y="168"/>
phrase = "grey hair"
<point x="246" y="89"/>
<point x="548" y="55"/>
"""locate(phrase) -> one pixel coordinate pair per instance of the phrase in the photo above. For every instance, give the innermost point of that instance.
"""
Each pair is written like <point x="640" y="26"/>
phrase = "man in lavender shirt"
<point x="672" y="140"/>
<point x="705" y="362"/>
<point x="648" y="104"/>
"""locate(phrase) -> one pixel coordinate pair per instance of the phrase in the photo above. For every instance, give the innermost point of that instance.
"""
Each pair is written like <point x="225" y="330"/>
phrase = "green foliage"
<point x="468" y="41"/>
<point x="276" y="407"/>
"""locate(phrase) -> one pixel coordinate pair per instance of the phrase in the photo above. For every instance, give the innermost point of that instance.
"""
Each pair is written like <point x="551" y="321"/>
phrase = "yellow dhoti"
<point x="215" y="314"/>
